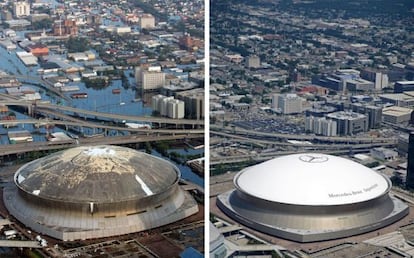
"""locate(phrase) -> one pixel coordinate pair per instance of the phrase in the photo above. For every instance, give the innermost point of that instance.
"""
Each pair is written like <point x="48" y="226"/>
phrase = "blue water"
<point x="186" y="172"/>
<point x="100" y="100"/>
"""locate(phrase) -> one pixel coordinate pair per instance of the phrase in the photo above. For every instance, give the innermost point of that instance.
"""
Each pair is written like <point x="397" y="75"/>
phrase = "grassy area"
<point x="33" y="254"/>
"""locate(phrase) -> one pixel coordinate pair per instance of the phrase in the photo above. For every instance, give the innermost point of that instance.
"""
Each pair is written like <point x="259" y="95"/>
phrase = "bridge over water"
<point x="116" y="140"/>
<point x="32" y="106"/>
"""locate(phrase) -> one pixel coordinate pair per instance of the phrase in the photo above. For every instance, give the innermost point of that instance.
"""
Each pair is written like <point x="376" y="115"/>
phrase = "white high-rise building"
<point x="168" y="106"/>
<point x="156" y="102"/>
<point x="150" y="78"/>
<point x="194" y="103"/>
<point x="147" y="21"/>
<point x="175" y="108"/>
<point x="253" y="62"/>
<point x="328" y="127"/>
<point x="275" y="101"/>
<point x="321" y="126"/>
<point x="21" y="9"/>
<point x="164" y="105"/>
<point x="138" y="74"/>
<point x="290" y="104"/>
<point x="381" y="81"/>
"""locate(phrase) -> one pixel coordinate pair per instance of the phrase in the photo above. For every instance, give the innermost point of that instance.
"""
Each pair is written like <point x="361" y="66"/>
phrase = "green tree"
<point x="396" y="179"/>
<point x="148" y="148"/>
<point x="246" y="99"/>
<point x="96" y="83"/>
<point x="77" y="45"/>
<point x="42" y="24"/>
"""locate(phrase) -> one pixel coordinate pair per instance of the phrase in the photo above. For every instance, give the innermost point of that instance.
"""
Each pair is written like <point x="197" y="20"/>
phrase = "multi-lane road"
<point x="64" y="116"/>
<point x="116" y="140"/>
<point x="45" y="122"/>
<point x="276" y="144"/>
<point x="299" y="137"/>
<point x="34" y="105"/>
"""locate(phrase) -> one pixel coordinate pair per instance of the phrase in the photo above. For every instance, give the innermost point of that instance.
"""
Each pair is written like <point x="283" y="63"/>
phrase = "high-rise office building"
<point x="409" y="182"/>
<point x="349" y="123"/>
<point x="253" y="62"/>
<point x="321" y="126"/>
<point x="147" y="21"/>
<point x="175" y="109"/>
<point x="287" y="103"/>
<point x="21" y="8"/>
<point x="380" y="79"/>
<point x="193" y="103"/>
<point x="374" y="114"/>
<point x="402" y="86"/>
<point x="168" y="106"/>
<point x="149" y="78"/>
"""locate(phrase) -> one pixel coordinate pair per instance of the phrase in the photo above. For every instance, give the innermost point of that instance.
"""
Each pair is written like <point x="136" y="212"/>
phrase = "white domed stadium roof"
<point x="312" y="179"/>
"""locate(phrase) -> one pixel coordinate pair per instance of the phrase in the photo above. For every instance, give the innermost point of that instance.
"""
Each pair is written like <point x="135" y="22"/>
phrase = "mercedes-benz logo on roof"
<point x="313" y="158"/>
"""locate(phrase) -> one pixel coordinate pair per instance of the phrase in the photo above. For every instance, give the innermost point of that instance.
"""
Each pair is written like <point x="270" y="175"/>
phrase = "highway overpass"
<point x="46" y="122"/>
<point x="269" y="155"/>
<point x="9" y="149"/>
<point x="299" y="137"/>
<point x="32" y="106"/>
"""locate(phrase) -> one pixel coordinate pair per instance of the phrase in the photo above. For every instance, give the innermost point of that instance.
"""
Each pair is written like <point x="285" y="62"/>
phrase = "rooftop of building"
<point x="395" y="110"/>
<point x="98" y="173"/>
<point x="311" y="179"/>
<point x="346" y="115"/>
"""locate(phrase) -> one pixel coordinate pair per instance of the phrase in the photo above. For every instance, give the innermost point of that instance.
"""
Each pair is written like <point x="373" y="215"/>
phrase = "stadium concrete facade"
<point x="98" y="191"/>
<point x="311" y="197"/>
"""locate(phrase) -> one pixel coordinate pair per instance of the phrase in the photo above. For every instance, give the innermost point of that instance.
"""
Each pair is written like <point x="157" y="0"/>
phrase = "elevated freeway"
<point x="20" y="243"/>
<point x="335" y="145"/>
<point x="269" y="155"/>
<point x="343" y="139"/>
<point x="19" y="148"/>
<point x="44" y="122"/>
<point x="330" y="145"/>
<point x="41" y="82"/>
<point x="34" y="105"/>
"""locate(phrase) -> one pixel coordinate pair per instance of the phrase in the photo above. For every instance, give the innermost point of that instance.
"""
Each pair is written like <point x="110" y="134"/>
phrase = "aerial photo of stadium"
<point x="311" y="197"/>
<point x="97" y="191"/>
